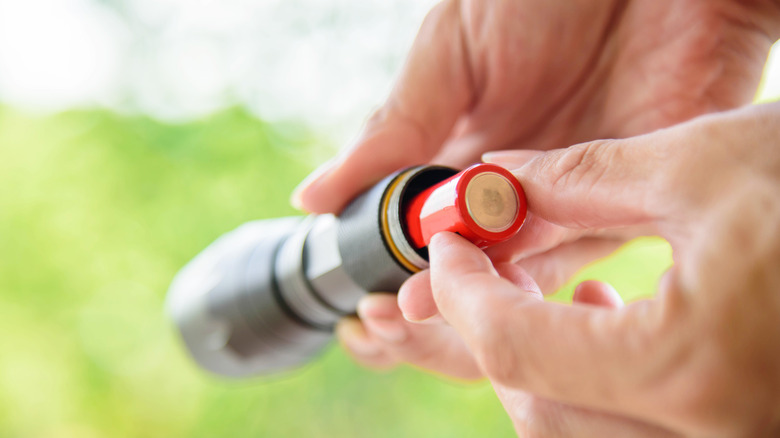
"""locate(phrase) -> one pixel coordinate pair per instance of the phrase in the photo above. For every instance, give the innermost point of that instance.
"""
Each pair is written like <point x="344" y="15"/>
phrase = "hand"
<point x="489" y="75"/>
<point x="486" y="75"/>
<point x="383" y="337"/>
<point x="702" y="359"/>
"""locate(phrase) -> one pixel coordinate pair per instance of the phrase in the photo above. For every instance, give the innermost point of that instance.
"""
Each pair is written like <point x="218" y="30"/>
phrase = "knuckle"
<point x="584" y="163"/>
<point x="377" y="119"/>
<point x="612" y="167"/>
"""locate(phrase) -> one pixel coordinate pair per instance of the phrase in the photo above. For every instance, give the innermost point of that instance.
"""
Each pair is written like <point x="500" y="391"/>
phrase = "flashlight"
<point x="265" y="297"/>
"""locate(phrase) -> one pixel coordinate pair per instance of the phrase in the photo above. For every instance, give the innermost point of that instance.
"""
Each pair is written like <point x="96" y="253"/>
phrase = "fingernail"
<point x="311" y="182"/>
<point x="510" y="159"/>
<point x="295" y="199"/>
<point x="413" y="318"/>
<point x="352" y="335"/>
<point x="433" y="319"/>
<point x="386" y="329"/>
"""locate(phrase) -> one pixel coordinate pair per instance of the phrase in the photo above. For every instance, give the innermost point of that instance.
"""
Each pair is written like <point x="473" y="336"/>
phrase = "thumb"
<point x="605" y="183"/>
<point x="431" y="93"/>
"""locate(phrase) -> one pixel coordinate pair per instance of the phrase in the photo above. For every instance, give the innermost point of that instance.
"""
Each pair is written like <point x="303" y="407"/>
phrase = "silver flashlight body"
<point x="264" y="298"/>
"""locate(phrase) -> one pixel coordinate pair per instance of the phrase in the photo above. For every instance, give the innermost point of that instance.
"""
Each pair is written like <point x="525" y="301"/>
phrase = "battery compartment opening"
<point x="417" y="184"/>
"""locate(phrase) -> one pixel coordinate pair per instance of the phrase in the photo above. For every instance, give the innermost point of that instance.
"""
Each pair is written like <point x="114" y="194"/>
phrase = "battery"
<point x="484" y="203"/>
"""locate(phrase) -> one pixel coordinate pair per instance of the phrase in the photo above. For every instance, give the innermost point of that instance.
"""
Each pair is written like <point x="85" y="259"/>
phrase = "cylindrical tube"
<point x="484" y="203"/>
<point x="264" y="298"/>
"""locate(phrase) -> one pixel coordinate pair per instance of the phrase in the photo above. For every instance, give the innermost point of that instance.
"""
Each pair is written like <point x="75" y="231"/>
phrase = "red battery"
<point x="484" y="203"/>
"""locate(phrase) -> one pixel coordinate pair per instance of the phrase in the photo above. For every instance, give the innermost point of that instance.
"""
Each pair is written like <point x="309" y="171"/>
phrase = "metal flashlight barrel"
<point x="227" y="306"/>
<point x="265" y="297"/>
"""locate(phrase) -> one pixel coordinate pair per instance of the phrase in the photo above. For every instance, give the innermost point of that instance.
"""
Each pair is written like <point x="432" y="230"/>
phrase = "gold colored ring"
<point x="386" y="229"/>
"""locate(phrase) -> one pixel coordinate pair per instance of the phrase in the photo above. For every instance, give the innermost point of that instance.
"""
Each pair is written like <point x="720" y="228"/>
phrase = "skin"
<point x="699" y="360"/>
<point x="487" y="75"/>
<point x="520" y="74"/>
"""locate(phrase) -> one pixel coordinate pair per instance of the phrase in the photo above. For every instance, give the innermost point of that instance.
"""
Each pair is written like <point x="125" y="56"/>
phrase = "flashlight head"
<point x="227" y="305"/>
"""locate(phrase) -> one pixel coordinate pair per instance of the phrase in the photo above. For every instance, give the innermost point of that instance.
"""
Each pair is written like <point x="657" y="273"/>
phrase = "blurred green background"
<point x="99" y="211"/>
<point x="100" y="208"/>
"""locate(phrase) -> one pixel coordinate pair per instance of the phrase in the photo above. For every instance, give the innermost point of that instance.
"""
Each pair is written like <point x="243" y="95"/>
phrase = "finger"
<point x="416" y="300"/>
<point x="600" y="184"/>
<point x="522" y="342"/>
<point x="533" y="416"/>
<point x="432" y="92"/>
<point x="519" y="277"/>
<point x="511" y="159"/>
<point x="597" y="293"/>
<point x="359" y="344"/>
<point x="552" y="269"/>
<point x="434" y="347"/>
<point x="536" y="236"/>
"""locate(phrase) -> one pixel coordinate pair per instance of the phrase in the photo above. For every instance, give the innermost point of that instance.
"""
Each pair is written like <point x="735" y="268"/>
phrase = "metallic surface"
<point x="295" y="286"/>
<point x="492" y="201"/>
<point x="264" y="297"/>
<point x="395" y="219"/>
<point x="324" y="268"/>
<point x="226" y="307"/>
<point x="362" y="245"/>
<point x="392" y="226"/>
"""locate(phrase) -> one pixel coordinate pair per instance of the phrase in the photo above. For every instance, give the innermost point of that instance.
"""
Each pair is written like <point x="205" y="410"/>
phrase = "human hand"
<point x="383" y="337"/>
<point x="699" y="360"/>
<point x="492" y="75"/>
<point x="489" y="75"/>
